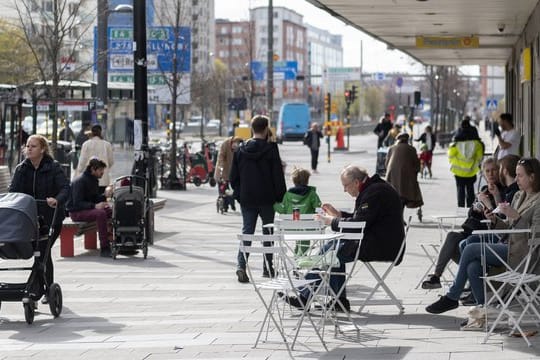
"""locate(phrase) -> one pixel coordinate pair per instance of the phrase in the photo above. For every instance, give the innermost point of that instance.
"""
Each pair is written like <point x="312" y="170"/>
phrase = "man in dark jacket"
<point x="258" y="182"/>
<point x="382" y="129"/>
<point x="86" y="203"/>
<point x="378" y="204"/>
<point x="312" y="139"/>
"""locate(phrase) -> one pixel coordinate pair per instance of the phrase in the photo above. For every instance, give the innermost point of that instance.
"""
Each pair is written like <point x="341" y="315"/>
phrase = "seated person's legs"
<point x="449" y="251"/>
<point x="101" y="217"/>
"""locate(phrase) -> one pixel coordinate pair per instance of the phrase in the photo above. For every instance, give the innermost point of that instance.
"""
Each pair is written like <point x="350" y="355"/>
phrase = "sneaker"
<point x="442" y="305"/>
<point x="268" y="275"/>
<point x="105" y="252"/>
<point x="469" y="300"/>
<point x="473" y="325"/>
<point x="242" y="276"/>
<point x="233" y="208"/>
<point x="433" y="282"/>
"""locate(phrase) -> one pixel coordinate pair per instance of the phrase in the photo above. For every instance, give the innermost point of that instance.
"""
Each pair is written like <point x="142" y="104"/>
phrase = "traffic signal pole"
<point x="328" y="108"/>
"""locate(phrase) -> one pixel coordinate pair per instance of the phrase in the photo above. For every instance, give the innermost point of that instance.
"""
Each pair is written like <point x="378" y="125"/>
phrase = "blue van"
<point x="293" y="122"/>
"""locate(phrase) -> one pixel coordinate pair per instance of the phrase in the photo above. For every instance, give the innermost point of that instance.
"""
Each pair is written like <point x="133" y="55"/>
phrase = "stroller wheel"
<point x="55" y="300"/>
<point x="197" y="181"/>
<point x="212" y="182"/>
<point x="29" y="312"/>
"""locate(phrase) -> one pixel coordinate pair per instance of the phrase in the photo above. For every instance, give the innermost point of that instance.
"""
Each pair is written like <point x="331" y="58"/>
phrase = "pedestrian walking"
<point x="312" y="139"/>
<point x="382" y="129"/>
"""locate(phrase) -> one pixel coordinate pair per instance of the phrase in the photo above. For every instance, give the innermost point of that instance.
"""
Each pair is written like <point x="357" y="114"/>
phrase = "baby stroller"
<point x="130" y="215"/>
<point x="225" y="198"/>
<point x="21" y="233"/>
<point x="380" y="168"/>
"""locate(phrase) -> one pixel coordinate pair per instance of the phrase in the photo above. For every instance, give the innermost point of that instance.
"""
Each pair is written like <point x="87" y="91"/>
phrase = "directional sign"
<point x="286" y="69"/>
<point x="379" y="76"/>
<point x="399" y="81"/>
<point x="160" y="49"/>
<point x="342" y="73"/>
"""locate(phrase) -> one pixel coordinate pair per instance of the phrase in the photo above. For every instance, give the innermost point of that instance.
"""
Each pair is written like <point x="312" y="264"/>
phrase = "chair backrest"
<point x="533" y="255"/>
<point x="354" y="229"/>
<point x="308" y="225"/>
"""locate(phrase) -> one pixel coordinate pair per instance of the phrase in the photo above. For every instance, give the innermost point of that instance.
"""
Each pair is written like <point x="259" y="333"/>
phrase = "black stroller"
<point x="130" y="218"/>
<point x="21" y="233"/>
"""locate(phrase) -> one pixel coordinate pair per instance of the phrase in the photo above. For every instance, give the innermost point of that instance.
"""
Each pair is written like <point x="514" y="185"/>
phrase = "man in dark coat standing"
<point x="382" y="129"/>
<point x="379" y="205"/>
<point x="312" y="139"/>
<point x="258" y="182"/>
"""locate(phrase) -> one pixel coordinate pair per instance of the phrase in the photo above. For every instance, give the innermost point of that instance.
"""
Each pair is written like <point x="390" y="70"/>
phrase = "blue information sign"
<point x="289" y="69"/>
<point x="160" y="49"/>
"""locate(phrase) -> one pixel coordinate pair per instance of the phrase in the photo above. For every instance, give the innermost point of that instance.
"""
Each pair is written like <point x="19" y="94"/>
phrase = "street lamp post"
<point x="140" y="90"/>
<point x="102" y="71"/>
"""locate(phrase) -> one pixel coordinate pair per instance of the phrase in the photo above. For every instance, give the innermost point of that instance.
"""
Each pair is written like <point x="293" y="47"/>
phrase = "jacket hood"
<point x="301" y="190"/>
<point x="256" y="148"/>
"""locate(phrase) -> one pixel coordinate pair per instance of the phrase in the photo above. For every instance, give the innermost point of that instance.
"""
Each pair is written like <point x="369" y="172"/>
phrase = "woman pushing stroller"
<point x="41" y="177"/>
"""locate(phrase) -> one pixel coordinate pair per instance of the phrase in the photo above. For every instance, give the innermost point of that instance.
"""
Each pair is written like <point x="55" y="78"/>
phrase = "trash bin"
<point x="63" y="156"/>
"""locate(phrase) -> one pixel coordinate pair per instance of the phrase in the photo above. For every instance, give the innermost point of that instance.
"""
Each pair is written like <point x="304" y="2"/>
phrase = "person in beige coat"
<point x="523" y="213"/>
<point x="402" y="167"/>
<point x="97" y="147"/>
<point x="225" y="158"/>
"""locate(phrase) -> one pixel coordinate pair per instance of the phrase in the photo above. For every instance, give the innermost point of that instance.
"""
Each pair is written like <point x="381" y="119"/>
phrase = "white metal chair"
<point x="518" y="286"/>
<point x="283" y="283"/>
<point x="380" y="279"/>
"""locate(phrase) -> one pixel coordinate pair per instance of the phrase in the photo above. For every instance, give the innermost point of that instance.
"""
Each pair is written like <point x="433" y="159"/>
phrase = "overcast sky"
<point x="376" y="58"/>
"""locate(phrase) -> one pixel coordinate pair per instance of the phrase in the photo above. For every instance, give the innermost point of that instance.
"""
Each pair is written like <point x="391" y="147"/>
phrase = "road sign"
<point x="160" y="49"/>
<point x="379" y="76"/>
<point x="399" y="81"/>
<point x="342" y="73"/>
<point x="288" y="69"/>
<point x="491" y="104"/>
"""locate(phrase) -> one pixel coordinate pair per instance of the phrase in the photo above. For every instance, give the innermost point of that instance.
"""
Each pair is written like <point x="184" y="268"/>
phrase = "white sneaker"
<point x="473" y="325"/>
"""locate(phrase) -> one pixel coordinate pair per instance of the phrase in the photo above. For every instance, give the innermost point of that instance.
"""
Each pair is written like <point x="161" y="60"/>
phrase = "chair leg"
<point x="380" y="283"/>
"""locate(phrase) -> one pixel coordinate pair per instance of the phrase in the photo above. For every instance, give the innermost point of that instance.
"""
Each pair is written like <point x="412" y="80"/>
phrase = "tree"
<point x="17" y="66"/>
<point x="374" y="101"/>
<point x="53" y="30"/>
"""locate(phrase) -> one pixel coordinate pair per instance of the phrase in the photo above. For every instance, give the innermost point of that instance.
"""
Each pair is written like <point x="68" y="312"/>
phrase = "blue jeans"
<point x="336" y="281"/>
<point x="249" y="218"/>
<point x="476" y="239"/>
<point x="470" y="267"/>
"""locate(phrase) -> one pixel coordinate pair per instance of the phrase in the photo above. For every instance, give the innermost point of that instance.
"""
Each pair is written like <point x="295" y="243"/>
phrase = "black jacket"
<point x="48" y="180"/>
<point x="423" y="140"/>
<point x="308" y="138"/>
<point x="379" y="205"/>
<point x="85" y="193"/>
<point x="257" y="174"/>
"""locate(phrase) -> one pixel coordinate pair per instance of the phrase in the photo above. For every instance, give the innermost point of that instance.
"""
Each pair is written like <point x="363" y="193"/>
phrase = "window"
<point x="73" y="9"/>
<point x="237" y="41"/>
<point x="276" y="15"/>
<point x="47" y="5"/>
<point x="34" y="5"/>
<point x="224" y="30"/>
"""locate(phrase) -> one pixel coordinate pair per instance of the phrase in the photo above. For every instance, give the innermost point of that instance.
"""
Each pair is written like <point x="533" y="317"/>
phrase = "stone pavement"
<point x="184" y="301"/>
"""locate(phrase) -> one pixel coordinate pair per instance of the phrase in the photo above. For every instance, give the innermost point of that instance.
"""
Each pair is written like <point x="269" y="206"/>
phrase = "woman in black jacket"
<point x="40" y="176"/>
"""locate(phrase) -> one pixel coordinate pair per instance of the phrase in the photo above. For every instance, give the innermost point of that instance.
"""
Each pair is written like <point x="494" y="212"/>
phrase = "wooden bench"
<point x="71" y="228"/>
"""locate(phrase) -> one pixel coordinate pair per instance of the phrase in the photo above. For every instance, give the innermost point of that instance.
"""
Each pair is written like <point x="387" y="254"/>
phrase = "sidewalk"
<point x="184" y="301"/>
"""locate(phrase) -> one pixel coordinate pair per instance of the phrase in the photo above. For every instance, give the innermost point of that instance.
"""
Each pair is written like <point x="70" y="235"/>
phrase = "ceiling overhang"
<point x="497" y="24"/>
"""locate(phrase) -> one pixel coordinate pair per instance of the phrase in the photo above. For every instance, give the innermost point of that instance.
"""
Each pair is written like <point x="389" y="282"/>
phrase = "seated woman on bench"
<point x="86" y="203"/>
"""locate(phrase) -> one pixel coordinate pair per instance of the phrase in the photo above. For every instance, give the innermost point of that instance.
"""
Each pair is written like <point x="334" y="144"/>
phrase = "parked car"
<point x="213" y="123"/>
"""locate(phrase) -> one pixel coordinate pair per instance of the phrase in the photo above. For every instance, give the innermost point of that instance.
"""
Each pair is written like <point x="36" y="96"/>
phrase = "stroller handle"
<point x="51" y="226"/>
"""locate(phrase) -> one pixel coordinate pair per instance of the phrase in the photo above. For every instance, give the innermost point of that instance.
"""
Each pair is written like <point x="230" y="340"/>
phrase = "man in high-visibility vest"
<point x="465" y="155"/>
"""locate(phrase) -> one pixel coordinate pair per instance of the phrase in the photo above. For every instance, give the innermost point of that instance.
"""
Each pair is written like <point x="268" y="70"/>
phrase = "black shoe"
<point x="265" y="273"/>
<point x="444" y="304"/>
<point x="233" y="208"/>
<point x="242" y="276"/>
<point x="469" y="300"/>
<point x="297" y="302"/>
<point x="433" y="282"/>
<point x="105" y="252"/>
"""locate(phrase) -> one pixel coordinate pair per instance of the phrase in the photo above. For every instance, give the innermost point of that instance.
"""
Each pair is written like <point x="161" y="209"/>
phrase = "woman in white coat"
<point x="97" y="147"/>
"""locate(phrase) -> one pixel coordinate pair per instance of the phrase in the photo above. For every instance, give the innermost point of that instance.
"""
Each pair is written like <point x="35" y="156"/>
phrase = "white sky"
<point x="376" y="57"/>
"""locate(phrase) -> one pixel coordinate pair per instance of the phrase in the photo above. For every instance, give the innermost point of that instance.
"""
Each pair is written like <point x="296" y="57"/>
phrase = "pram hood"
<point x="18" y="218"/>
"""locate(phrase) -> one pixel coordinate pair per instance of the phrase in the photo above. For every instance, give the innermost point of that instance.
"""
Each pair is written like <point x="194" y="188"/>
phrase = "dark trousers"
<point x="449" y="251"/>
<point x="249" y="217"/>
<point x="314" y="159"/>
<point x="465" y="190"/>
<point x="44" y="251"/>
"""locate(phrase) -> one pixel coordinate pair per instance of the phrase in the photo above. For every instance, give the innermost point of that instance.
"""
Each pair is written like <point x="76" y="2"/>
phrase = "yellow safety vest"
<point x="465" y="157"/>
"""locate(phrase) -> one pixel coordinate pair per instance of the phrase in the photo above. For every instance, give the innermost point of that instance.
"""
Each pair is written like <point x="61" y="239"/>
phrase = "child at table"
<point x="301" y="196"/>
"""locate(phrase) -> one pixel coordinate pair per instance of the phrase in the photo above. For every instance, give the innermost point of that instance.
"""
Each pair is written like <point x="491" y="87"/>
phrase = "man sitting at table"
<point x="379" y="205"/>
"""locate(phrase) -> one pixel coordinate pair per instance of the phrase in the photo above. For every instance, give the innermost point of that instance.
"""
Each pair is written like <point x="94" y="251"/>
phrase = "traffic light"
<point x="348" y="96"/>
<point x="353" y="93"/>
<point x="327" y="100"/>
